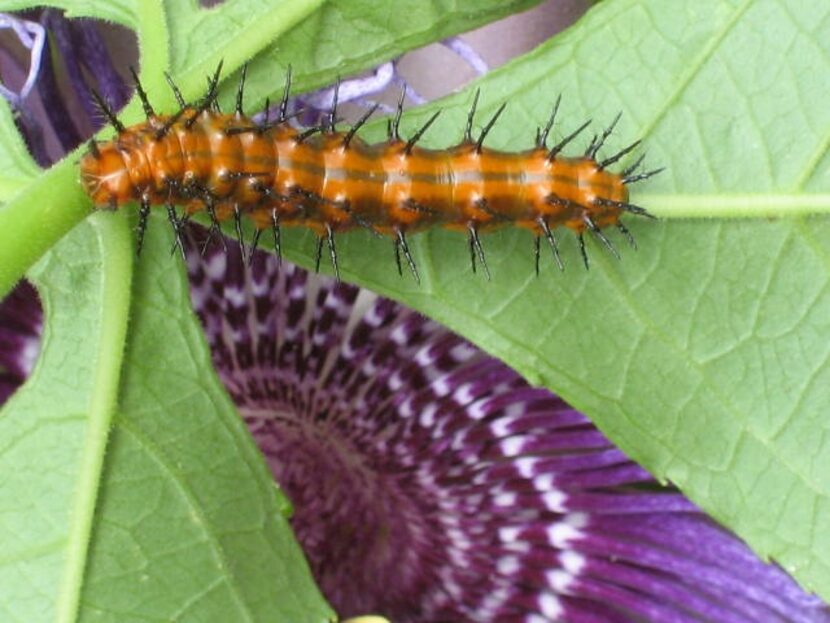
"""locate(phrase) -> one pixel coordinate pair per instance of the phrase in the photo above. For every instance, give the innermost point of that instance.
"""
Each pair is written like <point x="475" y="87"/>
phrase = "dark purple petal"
<point x="430" y="483"/>
<point x="92" y="53"/>
<point x="54" y="103"/>
<point x="78" y="44"/>
<point x="21" y="323"/>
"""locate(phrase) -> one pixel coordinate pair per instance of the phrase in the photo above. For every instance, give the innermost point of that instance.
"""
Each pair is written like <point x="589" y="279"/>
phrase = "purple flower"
<point x="430" y="482"/>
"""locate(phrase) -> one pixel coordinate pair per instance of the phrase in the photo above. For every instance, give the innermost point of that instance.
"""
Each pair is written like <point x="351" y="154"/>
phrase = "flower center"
<point x="365" y="521"/>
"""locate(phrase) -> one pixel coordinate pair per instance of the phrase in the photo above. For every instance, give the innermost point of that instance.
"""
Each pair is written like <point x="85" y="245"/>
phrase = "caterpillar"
<point x="330" y="181"/>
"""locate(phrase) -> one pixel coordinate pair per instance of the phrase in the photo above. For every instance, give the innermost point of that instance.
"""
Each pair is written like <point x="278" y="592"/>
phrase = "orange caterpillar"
<point x="332" y="181"/>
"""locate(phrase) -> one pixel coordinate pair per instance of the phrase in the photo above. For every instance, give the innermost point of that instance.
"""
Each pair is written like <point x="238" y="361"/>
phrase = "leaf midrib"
<point x="113" y="237"/>
<point x="125" y="426"/>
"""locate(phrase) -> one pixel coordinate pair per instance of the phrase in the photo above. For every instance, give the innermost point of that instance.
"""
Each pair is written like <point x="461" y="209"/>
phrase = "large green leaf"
<point x="703" y="355"/>
<point x="341" y="38"/>
<point x="344" y="38"/>
<point x="190" y="524"/>
<point x="54" y="430"/>
<point x="183" y="486"/>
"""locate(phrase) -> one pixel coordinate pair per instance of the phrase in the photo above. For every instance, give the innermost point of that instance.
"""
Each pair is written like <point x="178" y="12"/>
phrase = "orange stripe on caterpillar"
<point x="332" y="181"/>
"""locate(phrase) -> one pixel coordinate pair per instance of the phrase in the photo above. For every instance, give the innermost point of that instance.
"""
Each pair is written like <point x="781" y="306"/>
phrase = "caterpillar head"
<point x="105" y="176"/>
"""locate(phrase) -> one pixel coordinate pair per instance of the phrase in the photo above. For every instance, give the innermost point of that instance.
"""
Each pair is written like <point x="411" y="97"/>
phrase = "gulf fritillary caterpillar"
<point x="330" y="181"/>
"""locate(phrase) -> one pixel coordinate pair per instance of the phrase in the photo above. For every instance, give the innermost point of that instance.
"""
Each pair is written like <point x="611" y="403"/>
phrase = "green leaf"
<point x="54" y="430"/>
<point x="703" y="355"/>
<point x="17" y="169"/>
<point x="119" y="11"/>
<point x="338" y="39"/>
<point x="345" y="38"/>
<point x="183" y="486"/>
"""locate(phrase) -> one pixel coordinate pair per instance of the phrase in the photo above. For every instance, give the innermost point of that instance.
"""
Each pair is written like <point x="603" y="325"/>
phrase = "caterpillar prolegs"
<point x="331" y="181"/>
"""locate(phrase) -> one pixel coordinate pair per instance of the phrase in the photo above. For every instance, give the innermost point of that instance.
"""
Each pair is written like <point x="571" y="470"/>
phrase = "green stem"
<point x="737" y="205"/>
<point x="153" y="37"/>
<point x="37" y="218"/>
<point x="117" y="258"/>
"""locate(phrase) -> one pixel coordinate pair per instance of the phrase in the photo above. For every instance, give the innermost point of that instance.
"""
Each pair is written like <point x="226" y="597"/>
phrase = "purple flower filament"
<point x="32" y="36"/>
<point x="431" y="483"/>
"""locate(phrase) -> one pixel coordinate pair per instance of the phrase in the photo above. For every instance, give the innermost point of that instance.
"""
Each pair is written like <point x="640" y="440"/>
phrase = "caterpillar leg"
<point x="237" y="223"/>
<point x="628" y="235"/>
<point x="254" y="244"/>
<point x="597" y="232"/>
<point x="332" y="251"/>
<point x="328" y="238"/>
<point x="477" y="249"/>
<point x="215" y="229"/>
<point x="176" y="224"/>
<point x="142" y="95"/>
<point x="581" y="239"/>
<point x="554" y="247"/>
<point x="318" y="254"/>
<point x="629" y="177"/>
<point x="536" y="245"/>
<point x="275" y="228"/>
<point x="143" y="214"/>
<point x="400" y="244"/>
